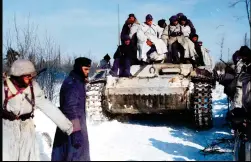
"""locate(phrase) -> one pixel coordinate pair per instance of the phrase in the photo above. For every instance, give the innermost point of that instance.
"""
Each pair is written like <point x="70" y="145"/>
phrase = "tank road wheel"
<point x="202" y="105"/>
<point x="94" y="102"/>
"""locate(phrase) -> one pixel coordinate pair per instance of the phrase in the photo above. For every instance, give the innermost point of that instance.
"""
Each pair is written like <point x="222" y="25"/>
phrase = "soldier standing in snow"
<point x="72" y="103"/>
<point x="21" y="95"/>
<point x="237" y="111"/>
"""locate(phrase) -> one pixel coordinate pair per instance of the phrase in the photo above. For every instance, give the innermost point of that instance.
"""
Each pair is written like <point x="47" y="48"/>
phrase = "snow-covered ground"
<point x="144" y="140"/>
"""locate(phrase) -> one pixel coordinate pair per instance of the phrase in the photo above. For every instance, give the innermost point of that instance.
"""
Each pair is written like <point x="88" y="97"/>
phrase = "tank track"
<point x="94" y="102"/>
<point x="201" y="103"/>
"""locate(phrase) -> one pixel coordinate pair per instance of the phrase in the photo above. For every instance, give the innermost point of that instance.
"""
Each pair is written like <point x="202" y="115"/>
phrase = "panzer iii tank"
<point x="153" y="89"/>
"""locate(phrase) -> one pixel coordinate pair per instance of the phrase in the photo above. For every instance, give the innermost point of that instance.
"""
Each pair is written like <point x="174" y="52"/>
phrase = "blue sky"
<point x="81" y="27"/>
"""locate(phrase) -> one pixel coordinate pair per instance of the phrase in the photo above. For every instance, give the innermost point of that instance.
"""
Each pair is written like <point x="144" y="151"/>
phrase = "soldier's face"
<point x="27" y="79"/>
<point x="131" y="19"/>
<point x="183" y="22"/>
<point x="175" y="22"/>
<point x="127" y="42"/>
<point x="86" y="70"/>
<point x="149" y="22"/>
<point x="194" y="39"/>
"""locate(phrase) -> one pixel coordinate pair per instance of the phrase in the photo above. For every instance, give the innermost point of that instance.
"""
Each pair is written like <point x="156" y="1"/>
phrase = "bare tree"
<point x="27" y="45"/>
<point x="246" y="41"/>
<point x="221" y="44"/>
<point x="45" y="54"/>
<point x="220" y="66"/>
<point x="247" y="9"/>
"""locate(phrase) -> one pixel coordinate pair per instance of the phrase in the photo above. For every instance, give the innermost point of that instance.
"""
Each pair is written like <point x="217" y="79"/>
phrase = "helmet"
<point x="149" y="17"/>
<point x="22" y="67"/>
<point x="180" y="14"/>
<point x="183" y="18"/>
<point x="173" y="18"/>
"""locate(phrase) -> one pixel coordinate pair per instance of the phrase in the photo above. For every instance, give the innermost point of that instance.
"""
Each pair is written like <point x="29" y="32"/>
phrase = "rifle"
<point x="228" y="68"/>
<point x="225" y="63"/>
<point x="41" y="71"/>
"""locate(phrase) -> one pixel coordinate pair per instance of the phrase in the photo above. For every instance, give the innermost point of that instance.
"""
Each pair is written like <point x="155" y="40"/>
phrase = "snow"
<point x="146" y="140"/>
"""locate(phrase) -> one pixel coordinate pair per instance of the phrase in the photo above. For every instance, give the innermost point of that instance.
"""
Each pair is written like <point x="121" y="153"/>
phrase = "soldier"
<point x="21" y="95"/>
<point x="123" y="58"/>
<point x="72" y="103"/>
<point x="105" y="62"/>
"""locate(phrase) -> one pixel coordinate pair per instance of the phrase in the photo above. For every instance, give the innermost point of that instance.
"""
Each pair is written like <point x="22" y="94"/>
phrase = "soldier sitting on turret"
<point x="156" y="55"/>
<point x="189" y="22"/>
<point x="203" y="58"/>
<point x="145" y="31"/>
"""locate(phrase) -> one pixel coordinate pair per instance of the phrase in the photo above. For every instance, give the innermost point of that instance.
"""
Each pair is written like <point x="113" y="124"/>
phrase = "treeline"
<point x="24" y="43"/>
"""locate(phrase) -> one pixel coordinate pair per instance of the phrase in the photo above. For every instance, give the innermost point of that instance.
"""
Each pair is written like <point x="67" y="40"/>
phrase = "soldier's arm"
<point x="50" y="110"/>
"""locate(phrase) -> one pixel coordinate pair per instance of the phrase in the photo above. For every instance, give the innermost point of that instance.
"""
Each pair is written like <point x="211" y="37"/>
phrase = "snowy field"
<point x="144" y="140"/>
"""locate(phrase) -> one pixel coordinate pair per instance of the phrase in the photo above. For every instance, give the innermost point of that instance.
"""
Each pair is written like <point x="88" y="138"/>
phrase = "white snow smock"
<point x="145" y="32"/>
<point x="19" y="137"/>
<point x="184" y="40"/>
<point x="161" y="49"/>
<point x="237" y="101"/>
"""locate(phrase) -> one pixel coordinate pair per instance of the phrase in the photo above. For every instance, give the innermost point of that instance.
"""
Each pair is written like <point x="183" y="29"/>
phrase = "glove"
<point x="76" y="139"/>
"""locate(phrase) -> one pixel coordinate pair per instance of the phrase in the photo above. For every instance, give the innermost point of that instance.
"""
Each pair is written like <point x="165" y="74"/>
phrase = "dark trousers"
<point x="176" y="47"/>
<point x="123" y="66"/>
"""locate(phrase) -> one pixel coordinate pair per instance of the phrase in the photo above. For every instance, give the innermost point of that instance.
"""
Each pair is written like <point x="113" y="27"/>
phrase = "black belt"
<point x="11" y="116"/>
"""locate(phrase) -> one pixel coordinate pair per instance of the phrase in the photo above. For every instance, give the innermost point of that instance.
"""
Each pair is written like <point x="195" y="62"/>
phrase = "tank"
<point x="153" y="89"/>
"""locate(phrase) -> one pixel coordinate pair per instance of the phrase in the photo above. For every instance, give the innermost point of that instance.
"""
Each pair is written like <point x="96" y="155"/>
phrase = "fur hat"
<point x="22" y="67"/>
<point x="82" y="61"/>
